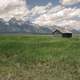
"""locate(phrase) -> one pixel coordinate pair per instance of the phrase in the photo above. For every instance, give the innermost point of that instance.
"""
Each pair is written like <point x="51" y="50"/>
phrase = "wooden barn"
<point x="63" y="33"/>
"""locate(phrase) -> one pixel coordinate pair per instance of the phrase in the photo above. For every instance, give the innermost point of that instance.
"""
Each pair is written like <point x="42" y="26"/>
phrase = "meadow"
<point x="39" y="58"/>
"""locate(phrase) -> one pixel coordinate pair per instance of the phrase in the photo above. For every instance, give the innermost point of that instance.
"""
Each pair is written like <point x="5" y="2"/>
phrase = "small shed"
<point x="63" y="33"/>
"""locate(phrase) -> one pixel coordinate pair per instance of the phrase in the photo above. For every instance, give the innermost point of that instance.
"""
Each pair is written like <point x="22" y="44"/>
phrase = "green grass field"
<point x="39" y="58"/>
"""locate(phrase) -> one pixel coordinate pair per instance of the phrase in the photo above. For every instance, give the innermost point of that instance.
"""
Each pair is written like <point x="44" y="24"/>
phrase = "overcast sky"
<point x="42" y="12"/>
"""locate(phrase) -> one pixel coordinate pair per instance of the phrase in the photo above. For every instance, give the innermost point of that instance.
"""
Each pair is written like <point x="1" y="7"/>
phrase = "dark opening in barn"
<point x="67" y="35"/>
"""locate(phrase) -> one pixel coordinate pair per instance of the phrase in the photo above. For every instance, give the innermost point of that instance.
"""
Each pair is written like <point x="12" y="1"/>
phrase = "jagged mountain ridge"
<point x="16" y="26"/>
<point x="19" y="26"/>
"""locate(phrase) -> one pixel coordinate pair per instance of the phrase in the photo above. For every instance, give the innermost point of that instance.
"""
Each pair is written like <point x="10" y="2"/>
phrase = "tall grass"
<point x="39" y="57"/>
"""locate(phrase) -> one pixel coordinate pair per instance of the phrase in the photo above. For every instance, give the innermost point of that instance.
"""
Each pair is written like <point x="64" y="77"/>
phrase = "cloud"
<point x="69" y="2"/>
<point x="13" y="8"/>
<point x="42" y="15"/>
<point x="49" y="15"/>
<point x="53" y="14"/>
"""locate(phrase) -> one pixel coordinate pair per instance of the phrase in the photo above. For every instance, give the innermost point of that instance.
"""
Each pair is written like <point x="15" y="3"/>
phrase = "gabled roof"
<point x="62" y="30"/>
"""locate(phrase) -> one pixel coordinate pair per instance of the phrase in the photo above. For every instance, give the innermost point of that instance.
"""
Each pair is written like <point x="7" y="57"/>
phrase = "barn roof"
<point x="62" y="30"/>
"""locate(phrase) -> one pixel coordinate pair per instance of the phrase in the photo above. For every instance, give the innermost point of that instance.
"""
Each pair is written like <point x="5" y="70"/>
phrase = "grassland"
<point x="39" y="58"/>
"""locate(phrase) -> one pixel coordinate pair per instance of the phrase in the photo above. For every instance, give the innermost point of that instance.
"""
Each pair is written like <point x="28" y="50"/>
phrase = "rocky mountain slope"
<point x="15" y="26"/>
<point x="21" y="27"/>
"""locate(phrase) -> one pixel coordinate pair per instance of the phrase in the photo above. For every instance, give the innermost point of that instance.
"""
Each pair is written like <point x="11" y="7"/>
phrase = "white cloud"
<point x="42" y="15"/>
<point x="13" y="8"/>
<point x="69" y="2"/>
<point x="55" y="15"/>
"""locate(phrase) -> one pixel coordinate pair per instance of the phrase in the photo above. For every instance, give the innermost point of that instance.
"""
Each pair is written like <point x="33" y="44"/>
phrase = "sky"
<point x="43" y="12"/>
<point x="33" y="3"/>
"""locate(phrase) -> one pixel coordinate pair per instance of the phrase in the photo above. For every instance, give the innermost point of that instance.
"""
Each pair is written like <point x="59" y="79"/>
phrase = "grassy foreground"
<point x="39" y="58"/>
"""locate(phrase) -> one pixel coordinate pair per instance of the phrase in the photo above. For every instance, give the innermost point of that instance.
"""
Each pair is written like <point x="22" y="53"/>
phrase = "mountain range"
<point x="19" y="26"/>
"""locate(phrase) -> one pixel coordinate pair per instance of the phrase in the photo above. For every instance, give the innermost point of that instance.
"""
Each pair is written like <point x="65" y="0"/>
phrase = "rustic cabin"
<point x="62" y="32"/>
